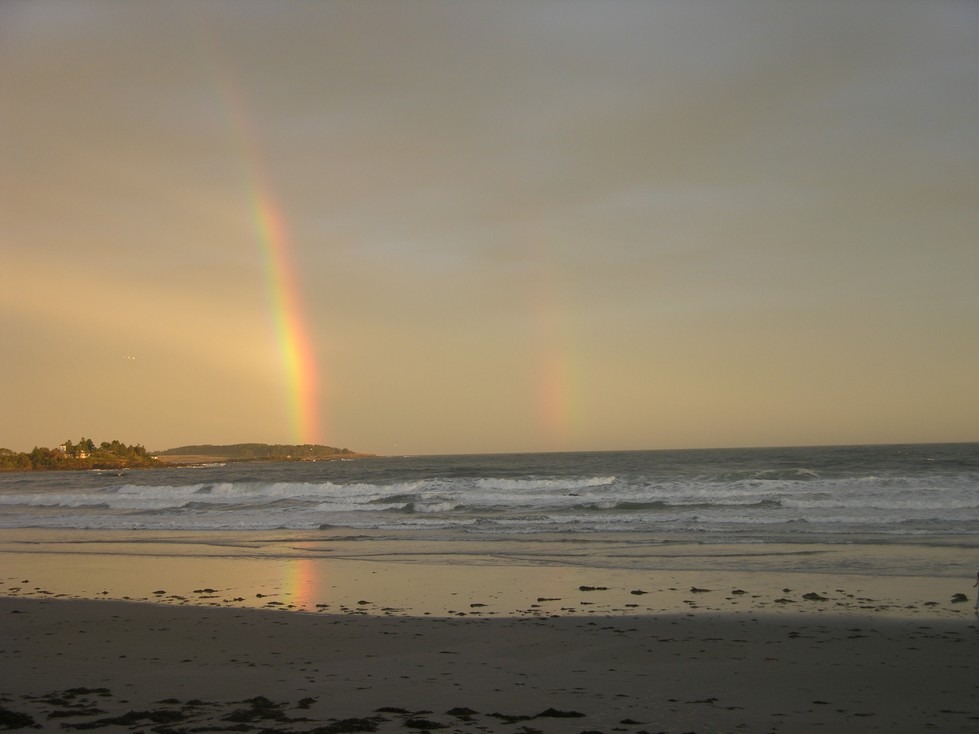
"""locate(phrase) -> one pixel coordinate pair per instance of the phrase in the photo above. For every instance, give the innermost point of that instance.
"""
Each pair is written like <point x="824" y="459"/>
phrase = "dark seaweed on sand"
<point x="15" y="720"/>
<point x="351" y="725"/>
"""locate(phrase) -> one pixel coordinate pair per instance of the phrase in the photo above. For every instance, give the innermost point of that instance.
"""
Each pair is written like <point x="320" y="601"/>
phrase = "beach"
<point x="180" y="632"/>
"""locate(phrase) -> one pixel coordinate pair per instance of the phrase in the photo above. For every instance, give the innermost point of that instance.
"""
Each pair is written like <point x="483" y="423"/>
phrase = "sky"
<point x="431" y="226"/>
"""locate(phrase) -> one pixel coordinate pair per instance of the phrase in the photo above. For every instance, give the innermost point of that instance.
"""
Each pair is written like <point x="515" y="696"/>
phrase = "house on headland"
<point x="75" y="452"/>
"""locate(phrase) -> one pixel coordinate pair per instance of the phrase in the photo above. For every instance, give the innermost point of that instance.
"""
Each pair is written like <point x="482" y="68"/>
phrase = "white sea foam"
<point x="751" y="494"/>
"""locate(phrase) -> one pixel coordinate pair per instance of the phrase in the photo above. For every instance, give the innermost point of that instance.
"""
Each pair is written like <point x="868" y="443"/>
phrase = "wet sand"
<point x="130" y="636"/>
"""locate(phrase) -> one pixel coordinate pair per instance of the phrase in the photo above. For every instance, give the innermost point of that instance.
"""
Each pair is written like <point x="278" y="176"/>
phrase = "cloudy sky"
<point x="437" y="227"/>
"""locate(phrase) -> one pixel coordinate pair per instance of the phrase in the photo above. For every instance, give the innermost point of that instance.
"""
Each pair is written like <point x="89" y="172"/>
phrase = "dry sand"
<point x="473" y="647"/>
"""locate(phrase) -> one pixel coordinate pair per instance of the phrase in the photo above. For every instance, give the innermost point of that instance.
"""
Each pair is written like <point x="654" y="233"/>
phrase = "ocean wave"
<point x="748" y="494"/>
<point x="661" y="506"/>
<point x="542" y="483"/>
<point x="411" y="508"/>
<point x="793" y="474"/>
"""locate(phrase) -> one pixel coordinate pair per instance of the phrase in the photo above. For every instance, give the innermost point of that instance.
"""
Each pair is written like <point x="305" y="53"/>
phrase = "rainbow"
<point x="298" y="358"/>
<point x="292" y="335"/>
<point x="302" y="580"/>
<point x="557" y="393"/>
<point x="554" y="395"/>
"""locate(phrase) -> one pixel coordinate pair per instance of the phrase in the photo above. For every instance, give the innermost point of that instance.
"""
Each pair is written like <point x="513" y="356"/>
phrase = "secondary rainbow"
<point x="557" y="384"/>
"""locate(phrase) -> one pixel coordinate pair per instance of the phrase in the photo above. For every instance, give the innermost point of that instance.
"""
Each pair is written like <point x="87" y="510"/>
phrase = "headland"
<point x="85" y="454"/>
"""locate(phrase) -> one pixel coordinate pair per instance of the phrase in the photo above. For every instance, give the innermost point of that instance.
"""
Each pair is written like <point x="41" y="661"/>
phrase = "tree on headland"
<point x="114" y="454"/>
<point x="80" y="455"/>
<point x="13" y="461"/>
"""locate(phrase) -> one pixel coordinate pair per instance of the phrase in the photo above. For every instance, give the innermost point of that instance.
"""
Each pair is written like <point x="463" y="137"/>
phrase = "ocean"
<point x="840" y="494"/>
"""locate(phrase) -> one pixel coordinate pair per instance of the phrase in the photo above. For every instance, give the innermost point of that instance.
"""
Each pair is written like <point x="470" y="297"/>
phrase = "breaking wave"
<point x="747" y="493"/>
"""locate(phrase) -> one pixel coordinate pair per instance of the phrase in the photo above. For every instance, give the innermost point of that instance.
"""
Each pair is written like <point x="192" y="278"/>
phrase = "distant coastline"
<point x="210" y="453"/>
<point x="86" y="455"/>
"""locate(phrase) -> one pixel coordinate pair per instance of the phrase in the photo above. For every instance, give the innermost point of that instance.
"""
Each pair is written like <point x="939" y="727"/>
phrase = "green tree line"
<point x="247" y="451"/>
<point x="83" y="454"/>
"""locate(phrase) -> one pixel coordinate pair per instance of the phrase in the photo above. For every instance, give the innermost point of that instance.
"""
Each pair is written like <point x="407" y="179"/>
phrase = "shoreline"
<point x="382" y="573"/>
<point x="178" y="461"/>
<point x="301" y="632"/>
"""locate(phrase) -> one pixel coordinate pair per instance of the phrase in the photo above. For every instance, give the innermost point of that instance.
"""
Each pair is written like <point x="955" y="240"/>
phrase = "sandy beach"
<point x="118" y="636"/>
